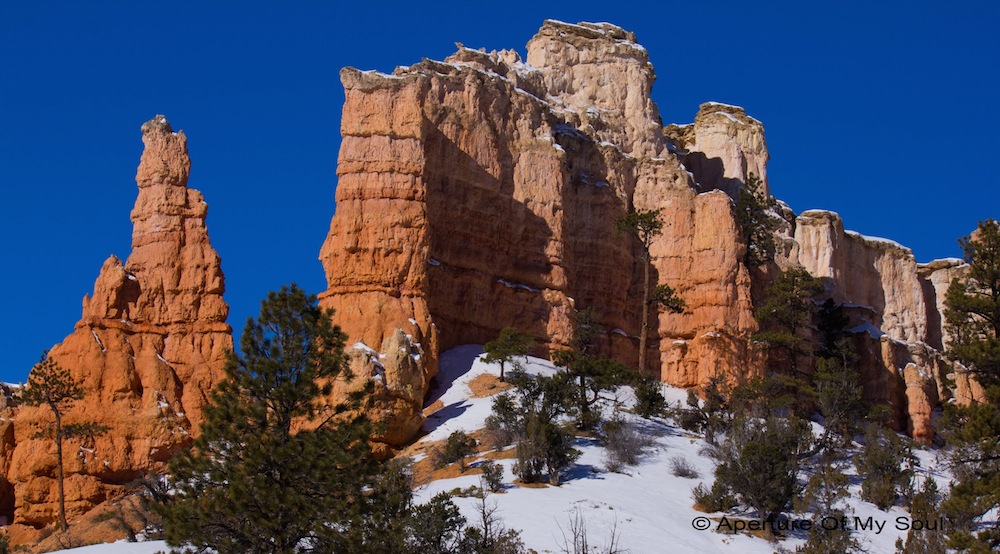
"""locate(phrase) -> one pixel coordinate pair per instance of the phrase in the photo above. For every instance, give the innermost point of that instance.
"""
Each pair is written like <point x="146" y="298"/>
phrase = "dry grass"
<point x="488" y="384"/>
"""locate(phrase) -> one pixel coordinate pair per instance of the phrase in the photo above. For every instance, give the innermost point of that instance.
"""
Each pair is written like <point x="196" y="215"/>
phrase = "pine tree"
<point x="788" y="307"/>
<point x="885" y="466"/>
<point x="276" y="469"/>
<point x="510" y="345"/>
<point x="758" y="462"/>
<point x="972" y="318"/>
<point x="972" y="314"/>
<point x="584" y="373"/>
<point x="756" y="223"/>
<point x="646" y="225"/>
<point x="49" y="384"/>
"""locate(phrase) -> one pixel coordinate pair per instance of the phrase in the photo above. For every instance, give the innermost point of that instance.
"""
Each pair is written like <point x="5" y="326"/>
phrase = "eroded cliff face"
<point x="482" y="191"/>
<point x="150" y="345"/>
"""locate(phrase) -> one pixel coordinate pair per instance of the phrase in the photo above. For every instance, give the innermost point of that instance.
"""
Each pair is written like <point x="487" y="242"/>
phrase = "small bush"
<point x="680" y="467"/>
<point x="624" y="444"/>
<point x="492" y="475"/>
<point x="884" y="465"/>
<point x="496" y="435"/>
<point x="649" y="398"/>
<point x="716" y="499"/>
<point x="459" y="446"/>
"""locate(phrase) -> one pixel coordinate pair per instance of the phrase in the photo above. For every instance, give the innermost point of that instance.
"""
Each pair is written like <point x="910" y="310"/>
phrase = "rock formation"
<point x="481" y="191"/>
<point x="150" y="345"/>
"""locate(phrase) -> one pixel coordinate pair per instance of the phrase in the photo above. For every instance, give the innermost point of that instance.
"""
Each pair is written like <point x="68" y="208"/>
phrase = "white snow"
<point x="433" y="262"/>
<point x="819" y="213"/>
<point x="98" y="339"/>
<point x="729" y="116"/>
<point x="650" y="506"/>
<point x="867" y="327"/>
<point x="519" y="286"/>
<point x="120" y="547"/>
<point x="881" y="240"/>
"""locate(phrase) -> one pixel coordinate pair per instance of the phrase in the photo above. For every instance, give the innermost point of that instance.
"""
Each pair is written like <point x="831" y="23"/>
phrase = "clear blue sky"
<point x="886" y="115"/>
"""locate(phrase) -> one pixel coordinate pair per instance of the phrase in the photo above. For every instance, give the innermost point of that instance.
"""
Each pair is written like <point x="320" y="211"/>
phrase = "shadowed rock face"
<point x="150" y="345"/>
<point x="481" y="191"/>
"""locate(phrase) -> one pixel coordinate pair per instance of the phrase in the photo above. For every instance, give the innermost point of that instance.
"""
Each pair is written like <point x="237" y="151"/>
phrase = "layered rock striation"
<point x="481" y="191"/>
<point x="151" y="344"/>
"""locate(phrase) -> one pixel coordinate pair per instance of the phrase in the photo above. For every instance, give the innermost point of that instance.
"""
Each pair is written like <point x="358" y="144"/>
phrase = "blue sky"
<point x="882" y="113"/>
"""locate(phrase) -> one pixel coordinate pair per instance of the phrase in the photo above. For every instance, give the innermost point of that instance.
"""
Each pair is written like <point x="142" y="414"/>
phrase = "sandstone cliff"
<point x="150" y="345"/>
<point x="481" y="191"/>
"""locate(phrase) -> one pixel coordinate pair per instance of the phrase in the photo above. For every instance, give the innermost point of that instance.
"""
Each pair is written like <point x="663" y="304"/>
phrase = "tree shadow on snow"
<point x="458" y="362"/>
<point x="438" y="418"/>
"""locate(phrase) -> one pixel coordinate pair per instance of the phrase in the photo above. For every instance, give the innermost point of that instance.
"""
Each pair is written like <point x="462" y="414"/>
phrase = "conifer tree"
<point x="787" y="308"/>
<point x="510" y="345"/>
<point x="646" y="225"/>
<point x="756" y="222"/>
<point x="972" y="317"/>
<point x="276" y="469"/>
<point x="51" y="385"/>
<point x="585" y="373"/>
<point x="972" y="314"/>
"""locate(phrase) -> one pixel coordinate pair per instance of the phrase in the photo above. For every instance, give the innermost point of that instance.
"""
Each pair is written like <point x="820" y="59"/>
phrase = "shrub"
<point x="492" y="475"/>
<point x="758" y="462"/>
<point x="716" y="499"/>
<point x="649" y="398"/>
<point x="884" y="466"/>
<point x="502" y="426"/>
<point x="459" y="446"/>
<point x="623" y="443"/>
<point x="680" y="467"/>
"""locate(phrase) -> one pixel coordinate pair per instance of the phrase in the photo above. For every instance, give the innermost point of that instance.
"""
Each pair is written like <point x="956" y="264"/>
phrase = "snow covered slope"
<point x="650" y="508"/>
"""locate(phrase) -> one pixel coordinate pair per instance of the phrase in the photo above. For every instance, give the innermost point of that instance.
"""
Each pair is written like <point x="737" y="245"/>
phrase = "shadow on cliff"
<point x="491" y="249"/>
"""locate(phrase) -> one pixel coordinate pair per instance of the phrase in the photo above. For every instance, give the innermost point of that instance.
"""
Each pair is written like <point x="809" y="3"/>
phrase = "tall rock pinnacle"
<point x="151" y="344"/>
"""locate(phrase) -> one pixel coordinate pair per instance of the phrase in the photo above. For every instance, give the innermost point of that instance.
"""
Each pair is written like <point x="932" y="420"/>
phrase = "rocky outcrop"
<point x="481" y="191"/>
<point x="722" y="148"/>
<point x="875" y="273"/>
<point x="150" y="345"/>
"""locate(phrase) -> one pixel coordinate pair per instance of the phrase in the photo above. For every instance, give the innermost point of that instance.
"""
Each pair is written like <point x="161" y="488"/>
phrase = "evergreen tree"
<point x="508" y="347"/>
<point x="753" y="215"/>
<point x="646" y="225"/>
<point x="50" y="385"/>
<point x="275" y="469"/>
<point x="586" y="375"/>
<point x="885" y="466"/>
<point x="758" y="462"/>
<point x="972" y="314"/>
<point x="972" y="318"/>
<point x="826" y="488"/>
<point x="925" y="508"/>
<point x="543" y="445"/>
<point x="787" y="308"/>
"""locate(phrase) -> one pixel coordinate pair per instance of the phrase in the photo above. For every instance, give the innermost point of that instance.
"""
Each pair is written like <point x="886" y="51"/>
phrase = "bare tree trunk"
<point x="644" y="332"/>
<point x="59" y="459"/>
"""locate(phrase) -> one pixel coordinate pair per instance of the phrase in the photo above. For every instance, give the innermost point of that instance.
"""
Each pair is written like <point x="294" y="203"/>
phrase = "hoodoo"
<point x="151" y="344"/>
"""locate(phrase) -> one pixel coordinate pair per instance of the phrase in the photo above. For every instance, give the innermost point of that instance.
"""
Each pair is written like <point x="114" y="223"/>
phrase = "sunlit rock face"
<point x="151" y="344"/>
<point x="481" y="191"/>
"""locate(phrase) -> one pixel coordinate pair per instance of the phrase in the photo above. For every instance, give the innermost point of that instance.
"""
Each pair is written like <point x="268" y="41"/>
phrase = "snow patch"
<point x="519" y="286"/>
<point x="867" y="327"/>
